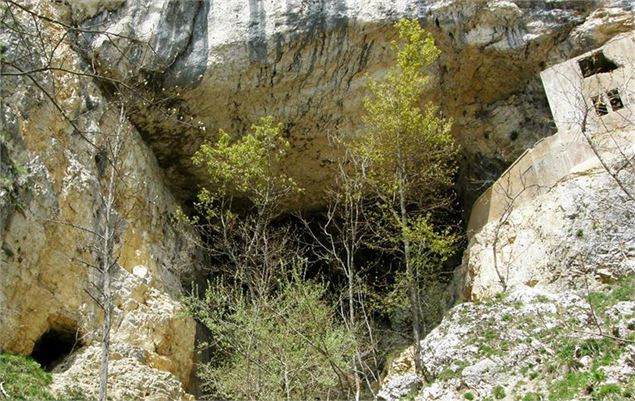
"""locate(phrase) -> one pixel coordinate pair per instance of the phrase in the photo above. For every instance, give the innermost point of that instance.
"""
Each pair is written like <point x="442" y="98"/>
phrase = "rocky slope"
<point x="529" y="345"/>
<point x="552" y="316"/>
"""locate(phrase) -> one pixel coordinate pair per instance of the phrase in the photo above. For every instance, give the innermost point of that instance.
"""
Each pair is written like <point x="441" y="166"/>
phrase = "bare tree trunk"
<point x="351" y="312"/>
<point x="108" y="261"/>
<point x="412" y="284"/>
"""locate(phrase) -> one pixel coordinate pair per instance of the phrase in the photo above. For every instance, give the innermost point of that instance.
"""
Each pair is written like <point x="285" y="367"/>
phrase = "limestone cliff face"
<point x="50" y="192"/>
<point x="306" y="63"/>
<point x="221" y="64"/>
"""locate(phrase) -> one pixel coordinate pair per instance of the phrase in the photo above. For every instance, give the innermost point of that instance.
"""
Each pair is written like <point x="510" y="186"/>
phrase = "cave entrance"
<point x="54" y="345"/>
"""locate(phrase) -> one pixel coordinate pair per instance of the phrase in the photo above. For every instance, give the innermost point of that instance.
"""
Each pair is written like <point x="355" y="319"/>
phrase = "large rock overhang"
<point x="307" y="63"/>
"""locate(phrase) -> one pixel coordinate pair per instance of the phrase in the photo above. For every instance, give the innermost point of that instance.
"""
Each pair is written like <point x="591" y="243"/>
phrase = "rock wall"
<point x="50" y="195"/>
<point x="217" y="65"/>
<point x="580" y="226"/>
<point x="552" y="316"/>
<point x="306" y="63"/>
<point x="565" y="207"/>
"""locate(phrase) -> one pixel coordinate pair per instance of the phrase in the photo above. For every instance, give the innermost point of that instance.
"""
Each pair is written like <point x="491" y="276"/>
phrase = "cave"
<point x="53" y="346"/>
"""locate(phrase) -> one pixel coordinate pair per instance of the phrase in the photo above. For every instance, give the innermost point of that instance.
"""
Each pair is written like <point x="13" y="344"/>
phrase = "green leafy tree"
<point x="412" y="164"/>
<point x="286" y="346"/>
<point x="244" y="176"/>
<point x="247" y="167"/>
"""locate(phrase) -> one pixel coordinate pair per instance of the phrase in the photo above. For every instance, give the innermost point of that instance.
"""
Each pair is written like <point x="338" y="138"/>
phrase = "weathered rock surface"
<point x="549" y="290"/>
<point x="50" y="198"/>
<point x="306" y="63"/>
<point x="581" y="225"/>
<point x="529" y="344"/>
<point x="221" y="64"/>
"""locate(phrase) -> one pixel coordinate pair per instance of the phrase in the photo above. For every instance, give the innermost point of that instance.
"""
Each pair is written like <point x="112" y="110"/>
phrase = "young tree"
<point x="412" y="161"/>
<point x="338" y="240"/>
<point x="274" y="336"/>
<point x="243" y="197"/>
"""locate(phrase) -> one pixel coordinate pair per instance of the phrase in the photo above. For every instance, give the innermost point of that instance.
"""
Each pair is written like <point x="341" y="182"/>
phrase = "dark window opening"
<point x="595" y="64"/>
<point x="53" y="347"/>
<point x="615" y="100"/>
<point x="600" y="106"/>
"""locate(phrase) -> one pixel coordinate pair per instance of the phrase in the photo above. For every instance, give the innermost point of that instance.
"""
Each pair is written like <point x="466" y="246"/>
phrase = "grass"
<point x="533" y="397"/>
<point x="569" y="387"/>
<point x="24" y="378"/>
<point x="602" y="351"/>
<point x="577" y="370"/>
<point x="623" y="290"/>
<point x="499" y="392"/>
<point x="607" y="392"/>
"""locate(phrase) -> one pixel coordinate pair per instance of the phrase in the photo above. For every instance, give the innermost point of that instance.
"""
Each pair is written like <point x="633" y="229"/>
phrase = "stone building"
<point x="592" y="100"/>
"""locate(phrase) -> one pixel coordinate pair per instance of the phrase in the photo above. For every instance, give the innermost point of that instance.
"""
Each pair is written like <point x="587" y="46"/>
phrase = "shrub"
<point x="283" y="346"/>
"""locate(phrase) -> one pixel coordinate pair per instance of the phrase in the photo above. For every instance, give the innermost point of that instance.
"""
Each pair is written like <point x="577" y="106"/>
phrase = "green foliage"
<point x="410" y="149"/>
<point x="569" y="387"/>
<point x="604" y="350"/>
<point x="412" y="162"/>
<point x="533" y="397"/>
<point x="11" y="171"/>
<point x="284" y="346"/>
<point x="607" y="392"/>
<point x="566" y="352"/>
<point x="623" y="290"/>
<point x="575" y="383"/>
<point x="429" y="246"/>
<point x="499" y="392"/>
<point x="247" y="167"/>
<point x="24" y="378"/>
<point x="468" y="396"/>
<point x="239" y="238"/>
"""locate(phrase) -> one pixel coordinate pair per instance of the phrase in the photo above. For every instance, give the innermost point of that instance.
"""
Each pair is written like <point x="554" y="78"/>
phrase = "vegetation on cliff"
<point x="296" y="307"/>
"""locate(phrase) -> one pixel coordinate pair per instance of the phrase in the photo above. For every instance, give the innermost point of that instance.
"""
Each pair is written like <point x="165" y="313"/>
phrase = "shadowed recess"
<point x="54" y="346"/>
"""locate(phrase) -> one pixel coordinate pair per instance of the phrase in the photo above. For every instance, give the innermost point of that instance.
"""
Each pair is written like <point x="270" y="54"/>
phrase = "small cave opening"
<point x="54" y="345"/>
